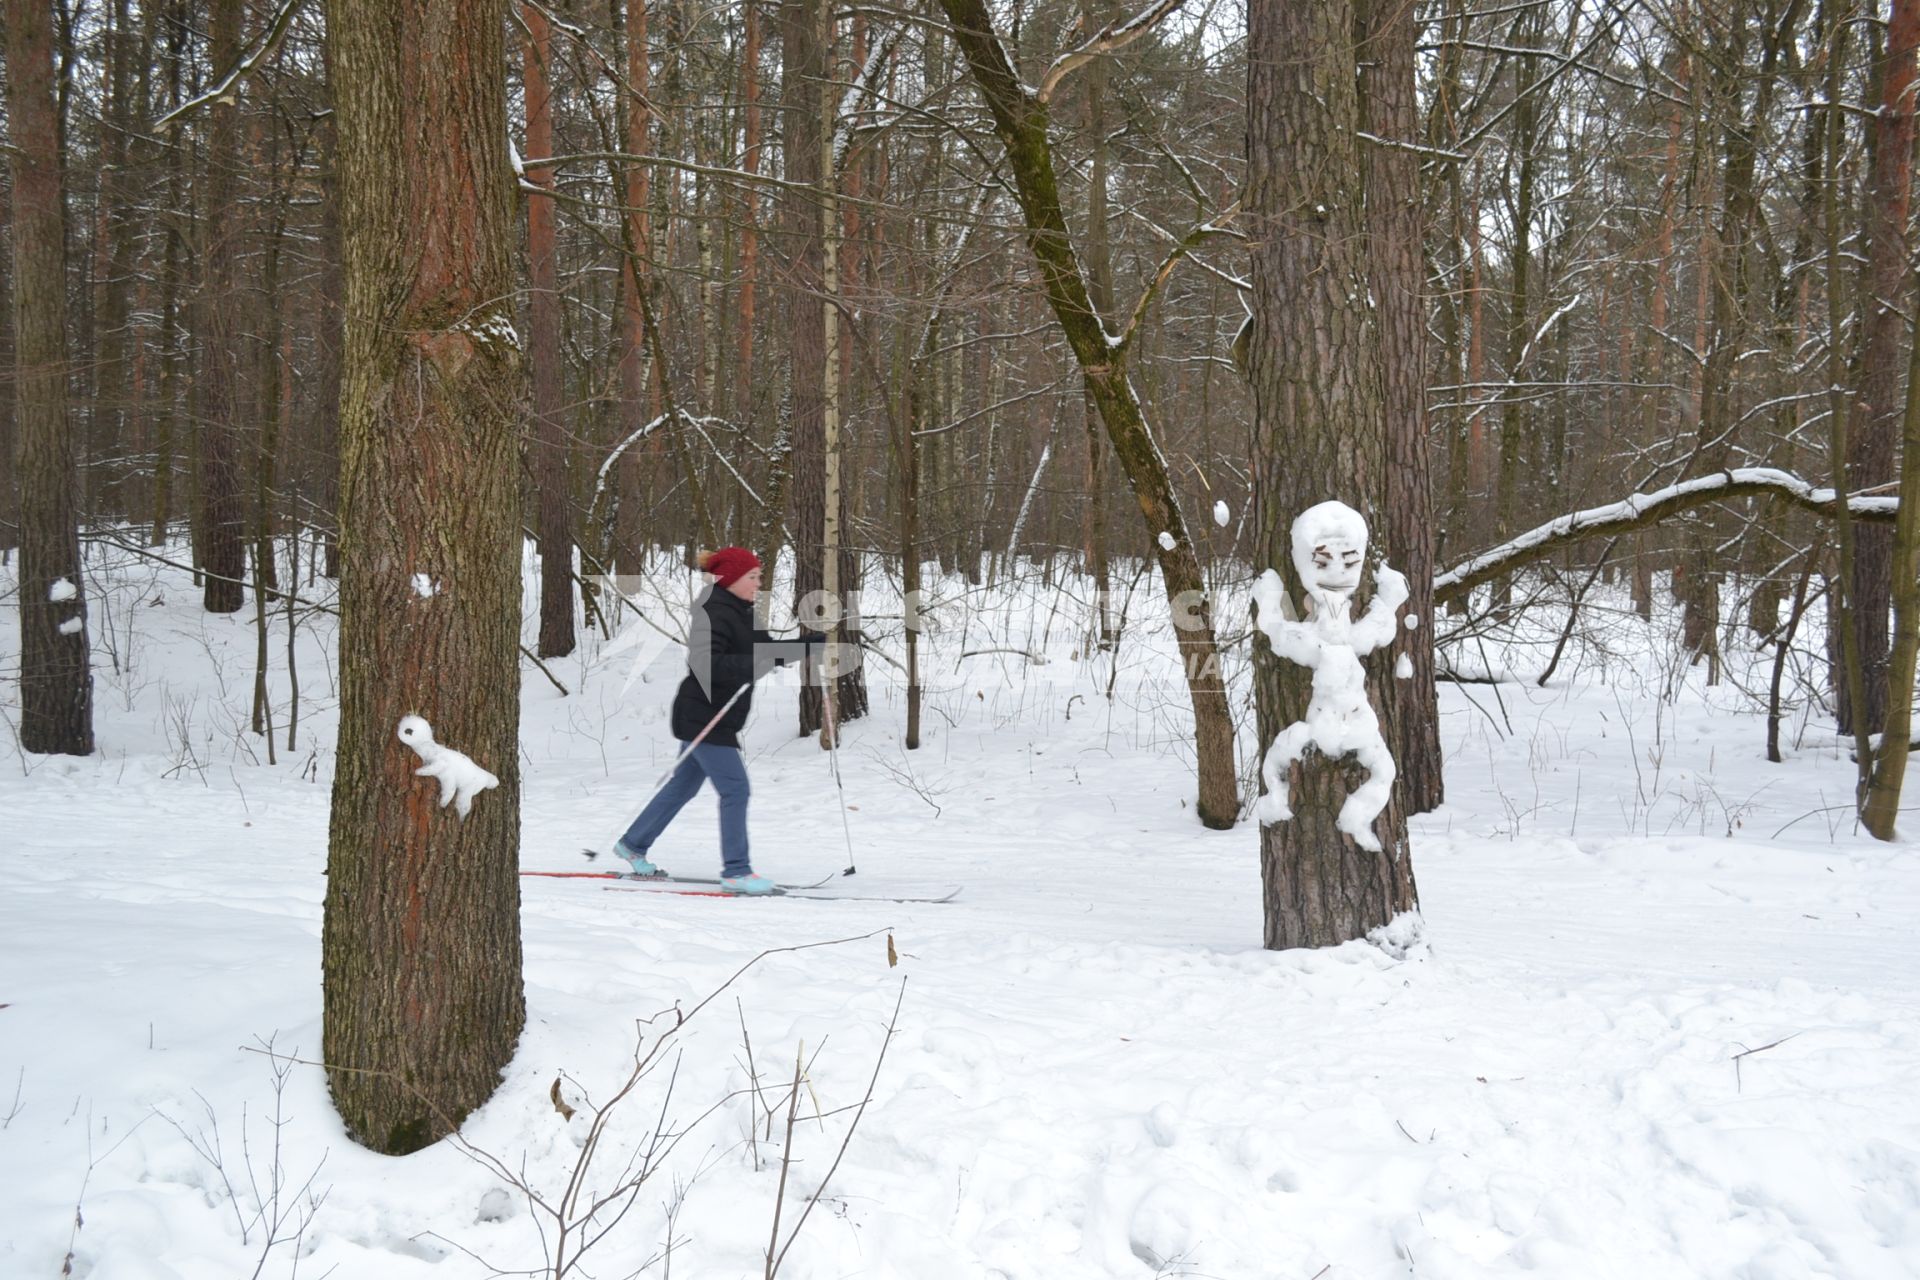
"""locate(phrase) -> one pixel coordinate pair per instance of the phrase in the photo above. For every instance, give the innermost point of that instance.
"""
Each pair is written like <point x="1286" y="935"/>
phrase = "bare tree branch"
<point x="1110" y="37"/>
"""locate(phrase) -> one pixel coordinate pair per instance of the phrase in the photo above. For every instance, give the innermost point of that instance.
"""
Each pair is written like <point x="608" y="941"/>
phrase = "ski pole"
<point x="701" y="737"/>
<point x="833" y="758"/>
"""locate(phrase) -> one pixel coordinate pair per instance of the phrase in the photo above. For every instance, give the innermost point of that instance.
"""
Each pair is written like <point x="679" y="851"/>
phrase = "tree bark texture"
<point x="1319" y="432"/>
<point x="551" y="492"/>
<point x="421" y="944"/>
<point x="1877" y="410"/>
<point x="1516" y="415"/>
<point x="630" y="532"/>
<point x="1020" y="121"/>
<point x="9" y="491"/>
<point x="806" y="113"/>
<point x="56" y="686"/>
<point x="221" y="535"/>
<point x="1890" y="763"/>
<point x="1397" y="270"/>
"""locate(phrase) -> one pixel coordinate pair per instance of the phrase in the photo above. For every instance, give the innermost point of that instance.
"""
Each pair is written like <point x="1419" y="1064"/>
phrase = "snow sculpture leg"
<point x="1370" y="797"/>
<point x="1329" y="550"/>
<point x="1288" y="746"/>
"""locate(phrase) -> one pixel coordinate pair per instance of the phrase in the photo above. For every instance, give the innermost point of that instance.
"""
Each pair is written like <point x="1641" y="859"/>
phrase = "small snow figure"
<point x="460" y="778"/>
<point x="1329" y="547"/>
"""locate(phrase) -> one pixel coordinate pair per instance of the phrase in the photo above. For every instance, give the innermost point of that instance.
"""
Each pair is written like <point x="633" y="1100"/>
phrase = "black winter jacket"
<point x="724" y="652"/>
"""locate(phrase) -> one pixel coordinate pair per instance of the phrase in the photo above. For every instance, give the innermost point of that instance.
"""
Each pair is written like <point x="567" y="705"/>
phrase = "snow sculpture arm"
<point x="459" y="777"/>
<point x="1376" y="629"/>
<point x="1294" y="641"/>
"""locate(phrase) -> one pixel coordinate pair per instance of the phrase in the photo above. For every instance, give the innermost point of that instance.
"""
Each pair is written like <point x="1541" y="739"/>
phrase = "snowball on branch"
<point x="459" y="777"/>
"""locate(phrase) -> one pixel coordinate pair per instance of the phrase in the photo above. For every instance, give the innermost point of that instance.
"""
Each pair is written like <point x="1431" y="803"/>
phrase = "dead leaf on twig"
<point x="893" y="957"/>
<point x="559" y="1103"/>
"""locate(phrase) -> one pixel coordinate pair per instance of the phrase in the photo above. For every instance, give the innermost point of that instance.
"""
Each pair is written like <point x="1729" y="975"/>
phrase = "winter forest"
<point x="1319" y="609"/>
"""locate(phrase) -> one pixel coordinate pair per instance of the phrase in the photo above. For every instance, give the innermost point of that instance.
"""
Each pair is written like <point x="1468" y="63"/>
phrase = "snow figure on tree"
<point x="460" y="778"/>
<point x="1329" y="548"/>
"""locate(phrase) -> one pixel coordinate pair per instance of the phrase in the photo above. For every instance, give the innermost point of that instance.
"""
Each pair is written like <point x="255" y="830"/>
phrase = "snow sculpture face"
<point x="1329" y="550"/>
<point x="414" y="731"/>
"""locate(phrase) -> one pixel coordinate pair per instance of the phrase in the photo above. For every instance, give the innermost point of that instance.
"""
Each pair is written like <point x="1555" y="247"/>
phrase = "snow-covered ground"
<point x="1663" y="1021"/>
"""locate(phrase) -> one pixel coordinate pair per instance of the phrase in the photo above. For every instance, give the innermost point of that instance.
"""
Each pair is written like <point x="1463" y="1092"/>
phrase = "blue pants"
<point x="728" y="773"/>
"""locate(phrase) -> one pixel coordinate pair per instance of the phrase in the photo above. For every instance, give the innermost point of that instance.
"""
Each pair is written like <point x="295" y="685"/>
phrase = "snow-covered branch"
<point x="698" y="423"/>
<point x="1642" y="510"/>
<point x="1108" y="39"/>
<point x="863" y="87"/>
<point x="1184" y="246"/>
<point x="606" y="466"/>
<point x="249" y="61"/>
<point x="1026" y="503"/>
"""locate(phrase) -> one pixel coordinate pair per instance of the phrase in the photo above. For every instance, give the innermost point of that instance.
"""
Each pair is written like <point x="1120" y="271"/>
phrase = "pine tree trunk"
<point x="551" y="488"/>
<point x="803" y="72"/>
<point x="114" y="288"/>
<point x="630" y="528"/>
<point x="221" y="532"/>
<point x="421" y="942"/>
<point x="1877" y="411"/>
<point x="56" y="688"/>
<point x="1397" y="274"/>
<point x="747" y="401"/>
<point x="329" y="341"/>
<point x="1319" y="432"/>
<point x="9" y="490"/>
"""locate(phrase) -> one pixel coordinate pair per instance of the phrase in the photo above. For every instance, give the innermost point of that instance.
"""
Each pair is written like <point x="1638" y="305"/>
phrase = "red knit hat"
<point x="729" y="564"/>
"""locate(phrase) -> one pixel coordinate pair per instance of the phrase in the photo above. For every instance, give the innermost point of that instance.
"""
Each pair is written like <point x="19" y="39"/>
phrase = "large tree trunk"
<point x="747" y="401"/>
<point x="56" y="688"/>
<point x="1319" y="431"/>
<point x="1020" y="120"/>
<point x="1397" y="271"/>
<point x="1890" y="764"/>
<point x="9" y="492"/>
<point x="421" y="941"/>
<point x="803" y="54"/>
<point x="1877" y="411"/>
<point x="221" y="533"/>
<point x="113" y="289"/>
<point x="329" y="342"/>
<point x="549" y="444"/>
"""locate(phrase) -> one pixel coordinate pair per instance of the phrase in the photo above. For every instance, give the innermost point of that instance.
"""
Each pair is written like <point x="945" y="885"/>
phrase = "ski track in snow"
<point x="1097" y="1071"/>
